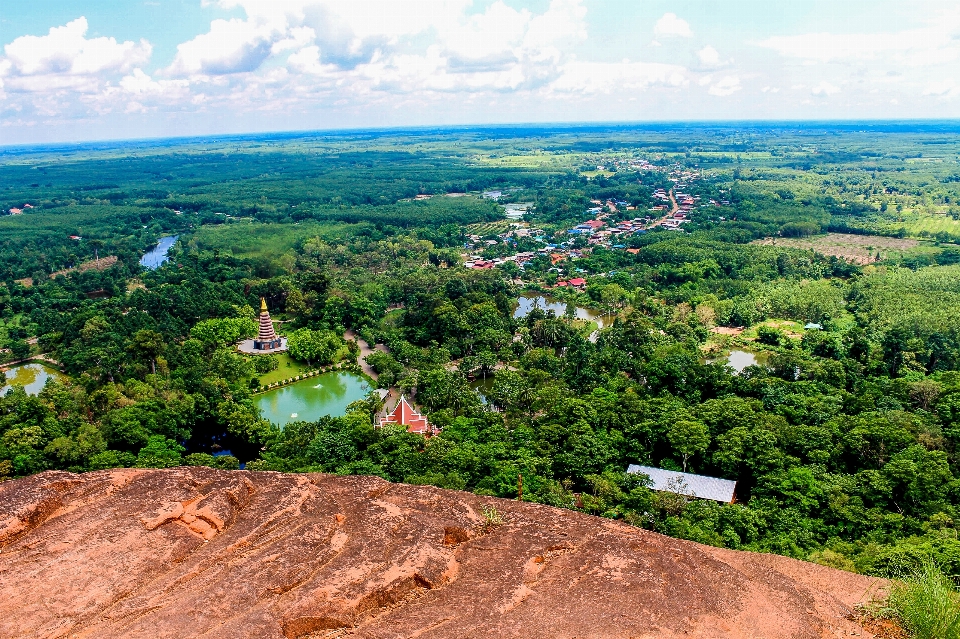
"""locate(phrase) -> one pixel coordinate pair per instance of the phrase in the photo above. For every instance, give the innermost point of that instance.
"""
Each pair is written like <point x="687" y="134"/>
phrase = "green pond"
<point x="738" y="360"/>
<point x="526" y="303"/>
<point x="33" y="377"/>
<point x="310" y="399"/>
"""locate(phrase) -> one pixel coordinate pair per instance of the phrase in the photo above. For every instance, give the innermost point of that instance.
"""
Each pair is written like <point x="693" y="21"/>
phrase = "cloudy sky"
<point x="108" y="69"/>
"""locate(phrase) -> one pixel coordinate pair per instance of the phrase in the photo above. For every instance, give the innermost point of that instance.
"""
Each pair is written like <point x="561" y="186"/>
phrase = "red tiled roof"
<point x="578" y="281"/>
<point x="406" y="415"/>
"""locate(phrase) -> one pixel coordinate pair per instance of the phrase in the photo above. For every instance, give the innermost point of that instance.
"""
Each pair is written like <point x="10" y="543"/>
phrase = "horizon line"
<point x="563" y="124"/>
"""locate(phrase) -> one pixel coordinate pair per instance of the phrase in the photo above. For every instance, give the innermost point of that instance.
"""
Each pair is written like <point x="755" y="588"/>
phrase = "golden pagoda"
<point x="267" y="339"/>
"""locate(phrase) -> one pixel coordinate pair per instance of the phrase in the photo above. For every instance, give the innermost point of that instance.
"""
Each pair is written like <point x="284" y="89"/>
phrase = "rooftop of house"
<point x="700" y="486"/>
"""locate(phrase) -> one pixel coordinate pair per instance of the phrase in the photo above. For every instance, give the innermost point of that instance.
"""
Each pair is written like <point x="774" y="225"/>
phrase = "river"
<point x="310" y="399"/>
<point x="158" y="255"/>
<point x="33" y="377"/>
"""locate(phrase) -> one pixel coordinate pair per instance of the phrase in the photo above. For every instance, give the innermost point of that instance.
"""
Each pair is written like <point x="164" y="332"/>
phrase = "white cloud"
<point x="935" y="44"/>
<point x="946" y="88"/>
<point x="231" y="46"/>
<point x="825" y="88"/>
<point x="710" y="58"/>
<point x="602" y="77"/>
<point x="670" y="25"/>
<point x="727" y="85"/>
<point x="66" y="51"/>
<point x="141" y="84"/>
<point x="297" y="37"/>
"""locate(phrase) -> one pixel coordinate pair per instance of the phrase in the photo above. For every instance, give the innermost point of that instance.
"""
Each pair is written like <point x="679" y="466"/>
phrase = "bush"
<point x="223" y="462"/>
<point x="770" y="336"/>
<point x="265" y="363"/>
<point x="927" y="604"/>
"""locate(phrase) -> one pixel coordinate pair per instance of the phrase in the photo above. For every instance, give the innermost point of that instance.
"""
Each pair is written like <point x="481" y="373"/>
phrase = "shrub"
<point x="927" y="603"/>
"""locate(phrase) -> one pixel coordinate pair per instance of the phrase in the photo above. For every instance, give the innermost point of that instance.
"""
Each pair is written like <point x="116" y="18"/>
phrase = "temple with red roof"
<point x="406" y="415"/>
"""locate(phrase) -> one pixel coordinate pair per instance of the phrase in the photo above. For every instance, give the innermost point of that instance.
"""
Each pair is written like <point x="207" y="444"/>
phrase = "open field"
<point x="101" y="264"/>
<point x="253" y="239"/>
<point x="486" y="228"/>
<point x="547" y="161"/>
<point x="286" y="367"/>
<point x="922" y="225"/>
<point x="860" y="249"/>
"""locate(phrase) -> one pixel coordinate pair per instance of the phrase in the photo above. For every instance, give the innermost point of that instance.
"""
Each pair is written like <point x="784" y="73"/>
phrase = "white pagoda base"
<point x="246" y="347"/>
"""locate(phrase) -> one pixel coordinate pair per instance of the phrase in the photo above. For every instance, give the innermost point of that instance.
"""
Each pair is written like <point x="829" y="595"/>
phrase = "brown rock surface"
<point x="195" y="552"/>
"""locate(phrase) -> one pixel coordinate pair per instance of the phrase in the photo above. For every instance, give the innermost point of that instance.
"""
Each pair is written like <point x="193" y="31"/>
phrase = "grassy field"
<point x="922" y="225"/>
<point x="487" y="228"/>
<point x="860" y="249"/>
<point x="286" y="367"/>
<point x="543" y="161"/>
<point x="252" y="239"/>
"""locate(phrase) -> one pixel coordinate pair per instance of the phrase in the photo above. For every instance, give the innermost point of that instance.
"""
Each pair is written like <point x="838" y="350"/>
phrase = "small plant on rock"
<point x="491" y="518"/>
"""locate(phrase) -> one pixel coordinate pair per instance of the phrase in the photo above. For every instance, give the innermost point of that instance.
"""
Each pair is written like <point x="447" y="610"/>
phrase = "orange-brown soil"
<point x="859" y="249"/>
<point x="196" y="552"/>
<point x="93" y="265"/>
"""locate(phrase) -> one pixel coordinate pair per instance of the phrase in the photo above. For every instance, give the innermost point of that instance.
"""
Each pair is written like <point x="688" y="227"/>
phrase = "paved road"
<point x="364" y="351"/>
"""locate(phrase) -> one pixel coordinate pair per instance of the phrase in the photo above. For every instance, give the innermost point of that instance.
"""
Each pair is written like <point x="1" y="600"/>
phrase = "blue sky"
<point x="96" y="69"/>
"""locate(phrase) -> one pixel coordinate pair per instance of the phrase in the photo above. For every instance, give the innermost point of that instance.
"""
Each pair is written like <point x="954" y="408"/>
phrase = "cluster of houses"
<point x="671" y="210"/>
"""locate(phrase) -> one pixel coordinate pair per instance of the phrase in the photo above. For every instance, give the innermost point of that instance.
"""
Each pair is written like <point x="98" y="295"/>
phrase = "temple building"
<point x="406" y="415"/>
<point x="267" y="339"/>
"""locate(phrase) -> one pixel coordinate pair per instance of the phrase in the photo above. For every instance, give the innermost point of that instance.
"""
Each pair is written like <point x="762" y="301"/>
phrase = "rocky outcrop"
<point x="196" y="552"/>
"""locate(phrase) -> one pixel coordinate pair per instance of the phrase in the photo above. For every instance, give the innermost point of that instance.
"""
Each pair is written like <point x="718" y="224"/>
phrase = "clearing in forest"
<point x="101" y="264"/>
<point x="859" y="249"/>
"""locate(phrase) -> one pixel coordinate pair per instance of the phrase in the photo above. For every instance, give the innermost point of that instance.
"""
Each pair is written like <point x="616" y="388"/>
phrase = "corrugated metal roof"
<point x="700" y="486"/>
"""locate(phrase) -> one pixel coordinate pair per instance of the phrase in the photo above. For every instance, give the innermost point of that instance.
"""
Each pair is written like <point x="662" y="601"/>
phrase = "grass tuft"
<point x="927" y="604"/>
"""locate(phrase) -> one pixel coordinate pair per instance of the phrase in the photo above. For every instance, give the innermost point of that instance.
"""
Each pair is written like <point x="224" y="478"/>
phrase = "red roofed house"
<point x="578" y="282"/>
<point x="407" y="415"/>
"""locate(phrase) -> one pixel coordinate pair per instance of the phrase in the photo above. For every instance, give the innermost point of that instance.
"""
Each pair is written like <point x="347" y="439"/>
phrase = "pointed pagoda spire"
<point x="266" y="334"/>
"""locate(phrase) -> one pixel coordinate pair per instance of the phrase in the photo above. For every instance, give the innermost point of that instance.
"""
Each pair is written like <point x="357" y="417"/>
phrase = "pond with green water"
<point x="738" y="359"/>
<point x="33" y="377"/>
<point x="310" y="399"/>
<point x="526" y="303"/>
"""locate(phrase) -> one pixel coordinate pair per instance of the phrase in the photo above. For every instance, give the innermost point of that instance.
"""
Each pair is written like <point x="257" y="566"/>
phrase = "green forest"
<point x="829" y="253"/>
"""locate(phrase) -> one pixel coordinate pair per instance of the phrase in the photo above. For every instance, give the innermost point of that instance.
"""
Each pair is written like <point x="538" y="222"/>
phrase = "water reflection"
<point x="526" y="303"/>
<point x="312" y="398"/>
<point x="33" y="377"/>
<point x="739" y="360"/>
<point x="158" y="255"/>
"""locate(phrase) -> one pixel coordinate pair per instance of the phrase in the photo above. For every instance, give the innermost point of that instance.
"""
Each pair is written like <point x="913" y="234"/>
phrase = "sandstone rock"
<point x="196" y="552"/>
